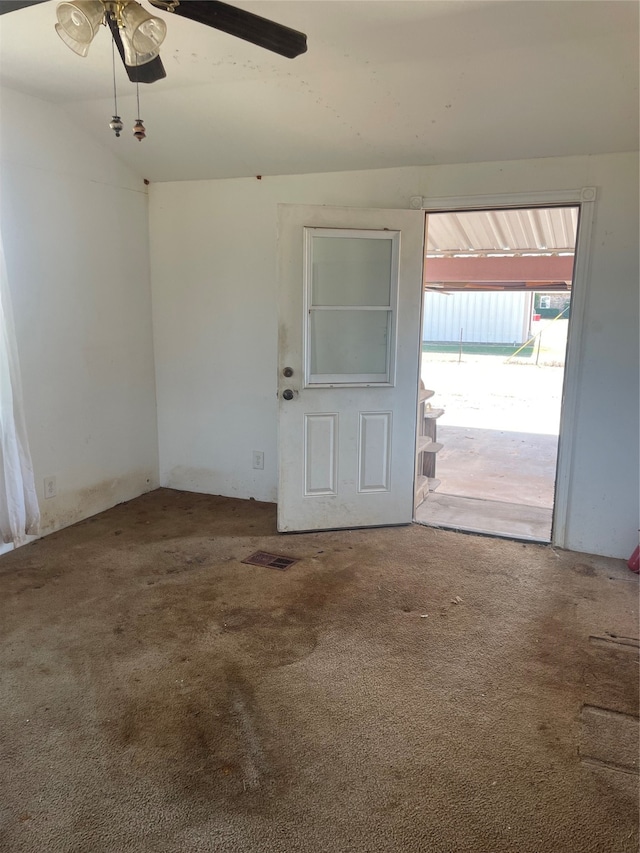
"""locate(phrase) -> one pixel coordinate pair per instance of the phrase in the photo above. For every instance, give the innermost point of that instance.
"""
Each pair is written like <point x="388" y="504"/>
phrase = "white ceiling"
<point x="382" y="84"/>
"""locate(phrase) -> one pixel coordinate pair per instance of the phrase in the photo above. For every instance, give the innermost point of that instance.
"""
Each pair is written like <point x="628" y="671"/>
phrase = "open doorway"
<point x="496" y="314"/>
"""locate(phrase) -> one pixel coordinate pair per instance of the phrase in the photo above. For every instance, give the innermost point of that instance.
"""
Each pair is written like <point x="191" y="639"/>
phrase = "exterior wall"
<point x="213" y="256"/>
<point x="557" y="302"/>
<point x="485" y="318"/>
<point x="75" y="231"/>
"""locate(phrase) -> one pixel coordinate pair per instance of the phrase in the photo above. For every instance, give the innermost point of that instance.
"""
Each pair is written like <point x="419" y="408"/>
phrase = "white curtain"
<point x="19" y="512"/>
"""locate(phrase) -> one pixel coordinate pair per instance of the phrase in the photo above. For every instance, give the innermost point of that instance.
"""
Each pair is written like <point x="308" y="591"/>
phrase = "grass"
<point x="478" y="349"/>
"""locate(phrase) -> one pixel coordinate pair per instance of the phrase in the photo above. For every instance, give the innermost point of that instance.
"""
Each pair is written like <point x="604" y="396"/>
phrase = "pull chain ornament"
<point x="116" y="125"/>
<point x="138" y="130"/>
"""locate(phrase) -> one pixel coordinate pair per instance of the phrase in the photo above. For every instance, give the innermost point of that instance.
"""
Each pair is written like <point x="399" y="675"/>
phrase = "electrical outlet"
<point x="258" y="459"/>
<point x="50" y="490"/>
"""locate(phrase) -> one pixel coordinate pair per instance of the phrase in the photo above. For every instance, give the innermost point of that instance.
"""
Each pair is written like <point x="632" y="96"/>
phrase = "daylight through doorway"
<point x="496" y="315"/>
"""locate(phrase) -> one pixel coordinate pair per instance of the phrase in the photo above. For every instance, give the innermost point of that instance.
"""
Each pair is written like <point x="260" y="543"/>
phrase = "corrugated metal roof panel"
<point x="531" y="231"/>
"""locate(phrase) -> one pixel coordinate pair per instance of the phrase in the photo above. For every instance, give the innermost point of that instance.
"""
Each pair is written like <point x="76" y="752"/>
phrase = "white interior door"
<point x="348" y="365"/>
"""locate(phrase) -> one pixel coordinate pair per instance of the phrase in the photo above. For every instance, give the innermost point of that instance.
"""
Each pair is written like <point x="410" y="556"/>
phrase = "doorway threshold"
<point x="492" y="518"/>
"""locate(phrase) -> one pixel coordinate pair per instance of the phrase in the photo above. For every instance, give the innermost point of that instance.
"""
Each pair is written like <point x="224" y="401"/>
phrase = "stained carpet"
<point x="405" y="689"/>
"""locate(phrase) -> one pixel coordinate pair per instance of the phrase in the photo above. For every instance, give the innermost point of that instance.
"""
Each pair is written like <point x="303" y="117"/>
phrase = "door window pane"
<point x="351" y="271"/>
<point x="350" y="342"/>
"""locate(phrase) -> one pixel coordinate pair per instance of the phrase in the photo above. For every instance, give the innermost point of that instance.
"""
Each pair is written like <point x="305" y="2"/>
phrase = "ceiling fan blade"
<point x="14" y="5"/>
<point x="244" y="25"/>
<point x="147" y="73"/>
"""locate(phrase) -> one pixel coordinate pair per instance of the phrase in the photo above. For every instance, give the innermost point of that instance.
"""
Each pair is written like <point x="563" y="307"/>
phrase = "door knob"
<point x="287" y="394"/>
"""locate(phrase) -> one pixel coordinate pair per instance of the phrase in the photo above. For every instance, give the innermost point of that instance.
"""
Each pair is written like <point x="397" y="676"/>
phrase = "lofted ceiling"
<point x="382" y="84"/>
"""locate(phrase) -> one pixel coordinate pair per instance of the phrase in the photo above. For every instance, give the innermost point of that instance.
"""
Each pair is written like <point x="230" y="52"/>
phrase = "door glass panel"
<point x="351" y="282"/>
<point x="350" y="343"/>
<point x="351" y="271"/>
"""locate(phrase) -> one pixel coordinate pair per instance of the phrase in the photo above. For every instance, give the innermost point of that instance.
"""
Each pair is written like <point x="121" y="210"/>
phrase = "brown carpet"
<point x="402" y="689"/>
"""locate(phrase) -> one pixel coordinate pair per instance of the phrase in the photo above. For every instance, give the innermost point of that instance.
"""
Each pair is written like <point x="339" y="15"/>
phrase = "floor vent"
<point x="271" y="561"/>
<point x="609" y="739"/>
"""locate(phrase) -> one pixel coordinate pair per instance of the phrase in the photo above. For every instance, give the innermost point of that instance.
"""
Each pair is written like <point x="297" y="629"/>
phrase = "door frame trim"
<point x="585" y="199"/>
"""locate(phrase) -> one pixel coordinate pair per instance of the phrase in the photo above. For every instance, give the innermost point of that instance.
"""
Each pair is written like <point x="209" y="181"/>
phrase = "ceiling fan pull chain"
<point x="138" y="128"/>
<point x="116" y="122"/>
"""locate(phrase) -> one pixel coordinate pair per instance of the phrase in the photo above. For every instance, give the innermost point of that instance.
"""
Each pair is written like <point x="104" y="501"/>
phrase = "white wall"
<point x="75" y="231"/>
<point x="213" y="251"/>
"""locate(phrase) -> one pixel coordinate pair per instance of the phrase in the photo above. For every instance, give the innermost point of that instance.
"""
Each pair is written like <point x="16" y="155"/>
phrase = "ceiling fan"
<point x="138" y="35"/>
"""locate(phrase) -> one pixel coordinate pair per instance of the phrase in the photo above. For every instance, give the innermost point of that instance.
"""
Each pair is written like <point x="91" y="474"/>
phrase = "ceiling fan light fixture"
<point x="145" y="32"/>
<point x="75" y="46"/>
<point x="131" y="56"/>
<point x="78" y="22"/>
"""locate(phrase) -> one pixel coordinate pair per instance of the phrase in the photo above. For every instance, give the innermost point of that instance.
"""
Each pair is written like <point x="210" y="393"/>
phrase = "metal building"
<point x="484" y="318"/>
